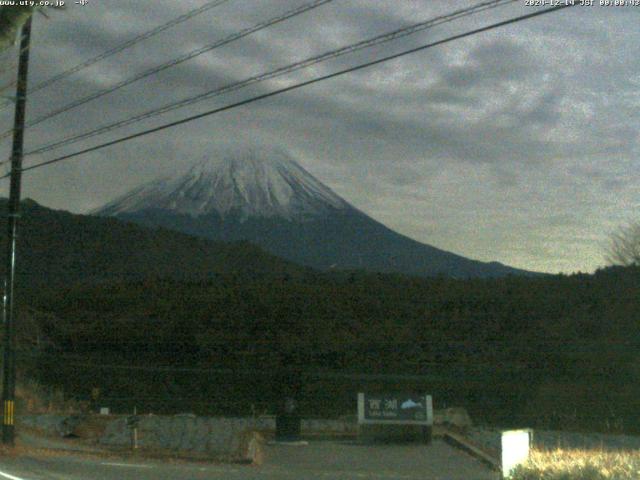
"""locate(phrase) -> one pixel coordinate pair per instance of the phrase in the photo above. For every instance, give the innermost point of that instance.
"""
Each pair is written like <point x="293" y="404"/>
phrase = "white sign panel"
<point x="395" y="408"/>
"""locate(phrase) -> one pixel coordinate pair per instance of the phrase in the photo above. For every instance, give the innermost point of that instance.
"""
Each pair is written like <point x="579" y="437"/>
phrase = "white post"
<point x="429" y="402"/>
<point x="515" y="449"/>
<point x="360" y="408"/>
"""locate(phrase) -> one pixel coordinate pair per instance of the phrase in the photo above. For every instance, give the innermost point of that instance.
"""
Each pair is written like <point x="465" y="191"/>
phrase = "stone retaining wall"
<point x="51" y="423"/>
<point x="190" y="433"/>
<point x="185" y="433"/>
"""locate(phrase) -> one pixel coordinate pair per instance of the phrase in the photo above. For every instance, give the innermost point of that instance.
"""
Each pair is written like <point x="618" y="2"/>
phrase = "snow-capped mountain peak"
<point x="250" y="182"/>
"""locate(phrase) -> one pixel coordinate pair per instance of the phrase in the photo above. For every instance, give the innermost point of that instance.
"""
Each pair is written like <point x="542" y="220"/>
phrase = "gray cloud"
<point x="517" y="145"/>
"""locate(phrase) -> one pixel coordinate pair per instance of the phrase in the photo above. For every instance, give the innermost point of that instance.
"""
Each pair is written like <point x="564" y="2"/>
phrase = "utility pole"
<point x="9" y="363"/>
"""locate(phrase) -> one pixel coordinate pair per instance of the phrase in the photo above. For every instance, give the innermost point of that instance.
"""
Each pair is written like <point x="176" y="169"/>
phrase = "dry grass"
<point x="564" y="464"/>
<point x="33" y="397"/>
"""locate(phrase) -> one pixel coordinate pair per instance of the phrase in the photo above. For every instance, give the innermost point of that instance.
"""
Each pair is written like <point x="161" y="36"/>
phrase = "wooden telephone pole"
<point x="9" y="354"/>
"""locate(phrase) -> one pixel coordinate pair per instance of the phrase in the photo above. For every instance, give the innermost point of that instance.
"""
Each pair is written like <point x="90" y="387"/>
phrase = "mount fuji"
<point x="264" y="196"/>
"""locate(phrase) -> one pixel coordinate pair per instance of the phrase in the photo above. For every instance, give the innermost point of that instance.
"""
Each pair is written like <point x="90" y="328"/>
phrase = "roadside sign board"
<point x="395" y="408"/>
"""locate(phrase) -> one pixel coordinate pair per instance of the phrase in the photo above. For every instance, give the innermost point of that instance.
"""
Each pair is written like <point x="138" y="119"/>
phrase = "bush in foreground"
<point x="564" y="464"/>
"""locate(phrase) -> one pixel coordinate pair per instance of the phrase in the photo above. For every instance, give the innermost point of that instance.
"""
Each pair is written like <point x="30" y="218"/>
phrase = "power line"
<point x="7" y="87"/>
<point x="542" y="347"/>
<point x="6" y="52"/>
<point x="12" y="83"/>
<point x="510" y="365"/>
<point x="444" y="370"/>
<point x="123" y="46"/>
<point x="183" y="58"/>
<point x="295" y="87"/>
<point x="10" y="68"/>
<point x="85" y="361"/>
<point x="399" y="33"/>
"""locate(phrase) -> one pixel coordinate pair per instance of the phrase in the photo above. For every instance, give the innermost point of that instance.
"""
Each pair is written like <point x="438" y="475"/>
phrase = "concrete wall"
<point x="200" y="434"/>
<point x="186" y="433"/>
<point x="228" y="437"/>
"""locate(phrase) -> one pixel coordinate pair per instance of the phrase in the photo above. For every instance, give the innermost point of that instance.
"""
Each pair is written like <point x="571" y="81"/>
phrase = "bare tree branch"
<point x="11" y="20"/>
<point x="624" y="246"/>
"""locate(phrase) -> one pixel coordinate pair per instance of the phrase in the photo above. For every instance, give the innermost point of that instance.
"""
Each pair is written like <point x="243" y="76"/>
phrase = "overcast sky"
<point x="518" y="145"/>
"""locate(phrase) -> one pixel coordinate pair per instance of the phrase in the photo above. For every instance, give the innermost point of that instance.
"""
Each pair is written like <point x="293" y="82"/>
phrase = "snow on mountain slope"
<point x="252" y="182"/>
<point x="261" y="195"/>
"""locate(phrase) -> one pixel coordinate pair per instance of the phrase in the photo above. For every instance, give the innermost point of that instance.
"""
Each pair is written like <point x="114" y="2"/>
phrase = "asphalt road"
<point x="319" y="460"/>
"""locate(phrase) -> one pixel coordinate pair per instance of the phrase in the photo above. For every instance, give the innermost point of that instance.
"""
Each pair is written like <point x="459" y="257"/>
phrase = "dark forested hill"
<point x="56" y="247"/>
<point x="171" y="322"/>
<point x="555" y="351"/>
